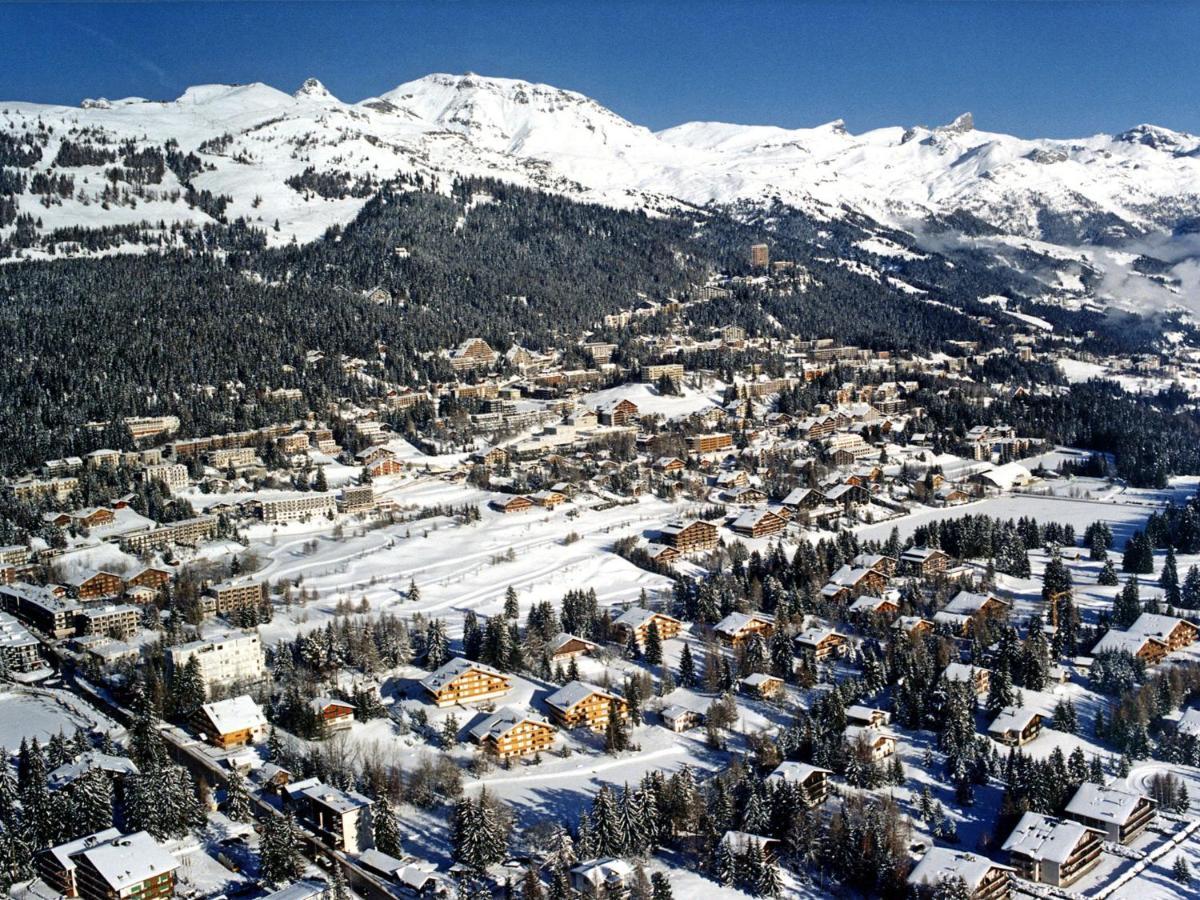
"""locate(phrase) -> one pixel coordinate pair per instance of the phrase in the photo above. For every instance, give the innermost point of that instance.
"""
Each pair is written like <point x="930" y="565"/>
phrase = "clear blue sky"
<point x="1056" y="69"/>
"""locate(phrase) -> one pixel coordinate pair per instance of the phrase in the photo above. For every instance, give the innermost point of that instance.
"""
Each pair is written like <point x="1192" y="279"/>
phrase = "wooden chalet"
<point x="811" y="780"/>
<point x="762" y="686"/>
<point x="583" y="705"/>
<point x="463" y="681"/>
<point x="1053" y="851"/>
<point x="737" y="628"/>
<point x="1016" y="727"/>
<point x="638" y="621"/>
<point x="510" y="732"/>
<point x="235" y="722"/>
<point x="984" y="879"/>
<point x="568" y="646"/>
<point x="335" y="714"/>
<point x="687" y="537"/>
<point x="758" y="523"/>
<point x="823" y="643"/>
<point x="512" y="504"/>
<point x="923" y="561"/>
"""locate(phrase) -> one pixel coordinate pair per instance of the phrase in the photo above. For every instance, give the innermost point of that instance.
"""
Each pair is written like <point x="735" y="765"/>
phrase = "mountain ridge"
<point x="1090" y="205"/>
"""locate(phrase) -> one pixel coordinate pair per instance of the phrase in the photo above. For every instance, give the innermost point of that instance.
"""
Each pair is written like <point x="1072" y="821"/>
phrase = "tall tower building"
<point x="760" y="256"/>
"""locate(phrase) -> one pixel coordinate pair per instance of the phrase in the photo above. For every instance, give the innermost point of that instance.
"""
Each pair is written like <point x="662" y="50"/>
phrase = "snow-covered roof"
<point x="1124" y="641"/>
<point x="563" y="638"/>
<point x="335" y="798"/>
<point x="1013" y="719"/>
<point x="569" y="695"/>
<point x="758" y="679"/>
<point x="1042" y="837"/>
<point x="1189" y="722"/>
<point x="1156" y="626"/>
<point x="455" y="668"/>
<point x="736" y="621"/>
<point x="503" y="721"/>
<point x="308" y="889"/>
<point x="941" y="862"/>
<point x="128" y="860"/>
<point x="86" y="762"/>
<point x="320" y="704"/>
<point x="603" y="871"/>
<point x="1104" y="803"/>
<point x="792" y="771"/>
<point x="968" y="603"/>
<point x="234" y="714"/>
<point x="957" y="671"/>
<point x="636" y="617"/>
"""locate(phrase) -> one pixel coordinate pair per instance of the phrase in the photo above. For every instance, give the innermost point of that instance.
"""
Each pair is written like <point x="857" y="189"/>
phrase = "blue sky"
<point x="1056" y="69"/>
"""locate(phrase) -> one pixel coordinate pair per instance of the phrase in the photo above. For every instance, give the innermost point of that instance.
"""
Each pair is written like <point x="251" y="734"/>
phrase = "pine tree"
<point x="1169" y="580"/>
<point x="531" y="885"/>
<point x="1000" y="692"/>
<point x="1180" y="871"/>
<point x="238" y="805"/>
<point x="386" y="828"/>
<point x="1189" y="595"/>
<point x="724" y="865"/>
<point x="91" y="803"/>
<point x="653" y="652"/>
<point x="414" y="592"/>
<point x="188" y="689"/>
<point x="767" y="884"/>
<point x="687" y="668"/>
<point x="1108" y="575"/>
<point x="1127" y="606"/>
<point x="437" y="645"/>
<point x="660" y="887"/>
<point x="279" y="850"/>
<point x="511" y="607"/>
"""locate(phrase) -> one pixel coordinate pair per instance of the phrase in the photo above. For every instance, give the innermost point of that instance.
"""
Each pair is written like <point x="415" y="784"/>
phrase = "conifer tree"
<point x="279" y="850"/>
<point x="687" y="668"/>
<point x="386" y="828"/>
<point x="1169" y="580"/>
<point x="1108" y="574"/>
<point x="1127" y="606"/>
<point x="653" y="652"/>
<point x="237" y="798"/>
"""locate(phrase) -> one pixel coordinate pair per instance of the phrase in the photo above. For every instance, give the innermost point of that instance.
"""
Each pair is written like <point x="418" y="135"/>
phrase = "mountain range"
<point x="1106" y="219"/>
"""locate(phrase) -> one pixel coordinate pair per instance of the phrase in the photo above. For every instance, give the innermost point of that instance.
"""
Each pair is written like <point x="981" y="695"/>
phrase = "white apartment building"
<point x="172" y="475"/>
<point x="232" y="659"/>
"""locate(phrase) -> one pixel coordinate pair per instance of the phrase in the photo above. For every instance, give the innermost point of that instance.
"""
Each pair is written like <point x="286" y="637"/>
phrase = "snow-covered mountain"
<point x="1118" y="215"/>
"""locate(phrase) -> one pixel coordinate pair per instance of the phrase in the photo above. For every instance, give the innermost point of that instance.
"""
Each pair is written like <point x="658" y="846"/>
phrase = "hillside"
<point x="1107" y="218"/>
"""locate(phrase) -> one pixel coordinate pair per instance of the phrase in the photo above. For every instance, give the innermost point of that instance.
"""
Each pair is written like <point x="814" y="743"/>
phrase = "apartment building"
<point x="224" y="661"/>
<point x="812" y="781"/>
<point x="638" y="621"/>
<point x="232" y="458"/>
<point x="687" y="537"/>
<point x="97" y="586"/>
<point x="109" y="865"/>
<point x="185" y="531"/>
<point x="235" y="595"/>
<point x="1053" y="851"/>
<point x="301" y="506"/>
<point x="18" y="646"/>
<point x="1120" y="814"/>
<point x="984" y="879"/>
<point x="709" y="443"/>
<point x="120" y="620"/>
<point x="41" y="608"/>
<point x="172" y="476"/>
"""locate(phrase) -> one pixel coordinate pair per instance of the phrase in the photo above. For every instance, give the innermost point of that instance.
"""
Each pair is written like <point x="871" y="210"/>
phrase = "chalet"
<point x="97" y="586"/>
<point x="1120" y="814"/>
<point x="512" y="504"/>
<point x="912" y="625"/>
<point x="880" y="744"/>
<point x="847" y="495"/>
<point x="1151" y="650"/>
<point x="734" y="478"/>
<point x="1016" y="726"/>
<point x="118" y="768"/>
<point x="1174" y="632"/>
<point x="568" y="646"/>
<point x="335" y="714"/>
<point x="606" y="877"/>
<point x="858" y="714"/>
<point x="638" y="621"/>
<point x="762" y="686"/>
<point x="232" y="723"/>
<point x="680" y="718"/>
<point x="669" y="465"/>
<point x="663" y="554"/>
<point x="548" y="499"/>
<point x="985" y="880"/>
<point x="881" y="563"/>
<point x="463" y="681"/>
<point x="859" y="580"/>
<point x="804" y="498"/>
<point x="811" y="780"/>
<point x="822" y="642"/>
<point x="746" y="495"/>
<point x="687" y="537"/>
<point x="510" y="732"/>
<point x="737" y="628"/>
<point x="1053" y="851"/>
<point x="741" y="842"/>
<point x="868" y="605"/>
<point x="155" y="579"/>
<point x="965" y="606"/>
<point x="617" y="412"/>
<point x="581" y="704"/>
<point x="979" y="678"/>
<point x="381" y="468"/>
<point x="370" y="455"/>
<point x="950" y="495"/>
<point x="471" y="354"/>
<point x="758" y="523"/>
<point x="923" y="561"/>
<point x="109" y="865"/>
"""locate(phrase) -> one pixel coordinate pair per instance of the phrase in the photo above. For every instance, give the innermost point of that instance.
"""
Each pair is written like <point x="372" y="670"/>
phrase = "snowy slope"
<point x="1139" y="189"/>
